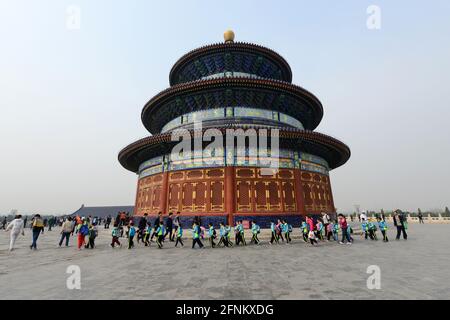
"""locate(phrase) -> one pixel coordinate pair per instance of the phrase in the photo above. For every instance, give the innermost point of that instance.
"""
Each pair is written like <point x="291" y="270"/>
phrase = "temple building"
<point x="241" y="87"/>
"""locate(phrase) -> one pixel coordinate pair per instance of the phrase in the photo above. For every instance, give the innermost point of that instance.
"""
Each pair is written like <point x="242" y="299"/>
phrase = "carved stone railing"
<point x="426" y="219"/>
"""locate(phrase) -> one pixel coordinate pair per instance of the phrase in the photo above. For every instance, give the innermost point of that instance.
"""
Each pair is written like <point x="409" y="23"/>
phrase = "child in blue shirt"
<point x="383" y="228"/>
<point x="196" y="236"/>
<point x="255" y="231"/>
<point x="228" y="235"/>
<point x="222" y="239"/>
<point x="285" y="229"/>
<point x="212" y="235"/>
<point x="147" y="233"/>
<point x="372" y="230"/>
<point x="336" y="230"/>
<point x="115" y="235"/>
<point x="304" y="230"/>
<point x="179" y="236"/>
<point x="319" y="227"/>
<point x="274" y="233"/>
<point x="131" y="234"/>
<point x="349" y="233"/>
<point x="160" y="235"/>
<point x="365" y="228"/>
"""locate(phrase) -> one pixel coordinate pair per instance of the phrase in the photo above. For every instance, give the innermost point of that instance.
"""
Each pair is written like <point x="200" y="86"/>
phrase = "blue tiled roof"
<point x="102" y="212"/>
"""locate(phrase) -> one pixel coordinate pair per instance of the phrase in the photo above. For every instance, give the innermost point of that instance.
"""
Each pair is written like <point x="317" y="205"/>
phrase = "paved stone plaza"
<point x="413" y="269"/>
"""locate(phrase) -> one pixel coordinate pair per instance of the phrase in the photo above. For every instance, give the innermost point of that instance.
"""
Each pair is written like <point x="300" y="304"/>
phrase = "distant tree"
<point x="435" y="211"/>
<point x="447" y="212"/>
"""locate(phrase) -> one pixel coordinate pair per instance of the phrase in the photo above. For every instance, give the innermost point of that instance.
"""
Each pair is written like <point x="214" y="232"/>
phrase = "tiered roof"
<point x="234" y="75"/>
<point x="232" y="56"/>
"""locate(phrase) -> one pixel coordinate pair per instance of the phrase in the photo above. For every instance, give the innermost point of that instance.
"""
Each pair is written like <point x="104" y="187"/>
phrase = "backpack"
<point x="277" y="229"/>
<point x="93" y="234"/>
<point x="84" y="230"/>
<point x="290" y="227"/>
<point x="132" y="232"/>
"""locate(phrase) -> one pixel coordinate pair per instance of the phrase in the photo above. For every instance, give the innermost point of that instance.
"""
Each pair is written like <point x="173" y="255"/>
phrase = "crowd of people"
<point x="312" y="230"/>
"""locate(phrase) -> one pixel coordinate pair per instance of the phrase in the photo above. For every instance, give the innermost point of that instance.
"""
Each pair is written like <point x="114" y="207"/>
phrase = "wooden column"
<point x="165" y="192"/>
<point x="230" y="193"/>
<point x="299" y="199"/>
<point x="331" y="194"/>
<point x="135" y="211"/>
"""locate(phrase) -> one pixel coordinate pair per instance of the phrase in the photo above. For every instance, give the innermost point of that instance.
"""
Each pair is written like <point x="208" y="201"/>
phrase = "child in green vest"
<point x="255" y="231"/>
<point x="212" y="235"/>
<point x="242" y="233"/>
<point x="196" y="236"/>
<point x="160" y="235"/>
<point x="273" y="230"/>
<point x="115" y="235"/>
<point x="147" y="233"/>
<point x="228" y="235"/>
<point x="305" y="231"/>
<point x="372" y="230"/>
<point x="287" y="229"/>
<point x="222" y="233"/>
<point x="383" y="228"/>
<point x="91" y="237"/>
<point x="179" y="235"/>
<point x="131" y="234"/>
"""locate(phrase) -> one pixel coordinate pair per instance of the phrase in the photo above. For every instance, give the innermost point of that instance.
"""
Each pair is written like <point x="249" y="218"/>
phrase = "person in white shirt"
<point x="363" y="216"/>
<point x="67" y="230"/>
<point x="326" y="221"/>
<point x="16" y="227"/>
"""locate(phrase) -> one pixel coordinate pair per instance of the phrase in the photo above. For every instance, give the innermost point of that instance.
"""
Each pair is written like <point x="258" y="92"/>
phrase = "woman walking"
<point x="67" y="230"/>
<point x="344" y="226"/>
<point x="16" y="227"/>
<point x="83" y="231"/>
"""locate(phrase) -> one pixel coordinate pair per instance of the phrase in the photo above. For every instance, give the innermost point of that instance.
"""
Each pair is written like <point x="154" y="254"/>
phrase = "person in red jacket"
<point x="310" y="223"/>
<point x="343" y="224"/>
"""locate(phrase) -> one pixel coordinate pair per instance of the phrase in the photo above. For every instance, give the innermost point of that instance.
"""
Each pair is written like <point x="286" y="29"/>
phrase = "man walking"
<point x="156" y="225"/>
<point x="4" y="223"/>
<point x="176" y="224"/>
<point x="420" y="216"/>
<point x="326" y="222"/>
<point x="38" y="228"/>
<point x="141" y="227"/>
<point x="169" y="227"/>
<point x="108" y="222"/>
<point x="400" y="222"/>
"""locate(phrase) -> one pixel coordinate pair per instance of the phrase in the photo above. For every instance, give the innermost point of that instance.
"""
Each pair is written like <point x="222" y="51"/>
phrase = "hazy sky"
<point x="71" y="99"/>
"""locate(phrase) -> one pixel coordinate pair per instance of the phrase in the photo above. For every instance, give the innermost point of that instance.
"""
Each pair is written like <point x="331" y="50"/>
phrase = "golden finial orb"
<point x="228" y="36"/>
